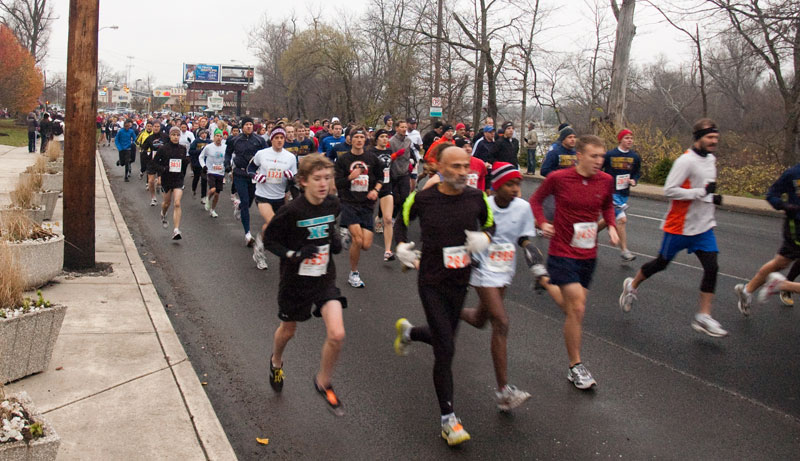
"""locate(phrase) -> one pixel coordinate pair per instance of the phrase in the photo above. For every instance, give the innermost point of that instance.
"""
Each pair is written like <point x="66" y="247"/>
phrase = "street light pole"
<point x="79" y="139"/>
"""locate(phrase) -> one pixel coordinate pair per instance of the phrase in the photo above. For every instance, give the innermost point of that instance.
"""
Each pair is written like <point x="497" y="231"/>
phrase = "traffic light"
<point x="105" y="88"/>
<point x="47" y="103"/>
<point x="127" y="90"/>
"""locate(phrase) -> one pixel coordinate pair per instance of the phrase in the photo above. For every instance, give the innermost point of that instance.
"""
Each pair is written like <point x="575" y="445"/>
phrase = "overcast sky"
<point x="161" y="35"/>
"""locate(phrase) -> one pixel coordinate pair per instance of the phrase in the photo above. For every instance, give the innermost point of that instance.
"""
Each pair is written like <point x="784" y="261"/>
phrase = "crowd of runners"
<point x="323" y="188"/>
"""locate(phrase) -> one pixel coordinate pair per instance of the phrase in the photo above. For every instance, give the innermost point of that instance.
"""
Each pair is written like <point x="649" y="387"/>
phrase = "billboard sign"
<point x="206" y="73"/>
<point x="237" y="74"/>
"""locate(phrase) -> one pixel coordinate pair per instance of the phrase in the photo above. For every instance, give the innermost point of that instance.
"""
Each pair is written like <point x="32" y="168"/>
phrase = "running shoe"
<point x="205" y="203"/>
<point x="628" y="295"/>
<point x="261" y="262"/>
<point x="378" y="225"/>
<point x="510" y="397"/>
<point x="127" y="179"/>
<point x="627" y="256"/>
<point x="334" y="404"/>
<point x="153" y="202"/>
<point x="176" y="234"/>
<point x="786" y="298"/>
<point x="213" y="214"/>
<point x="770" y="286"/>
<point x="402" y="342"/>
<point x="237" y="213"/>
<point x="355" y="280"/>
<point x="454" y="432"/>
<point x="346" y="238"/>
<point x="164" y="220"/>
<point x="275" y="376"/>
<point x="141" y="175"/>
<point x="249" y="240"/>
<point x="703" y="323"/>
<point x="744" y="299"/>
<point x="580" y="377"/>
<point x="388" y="256"/>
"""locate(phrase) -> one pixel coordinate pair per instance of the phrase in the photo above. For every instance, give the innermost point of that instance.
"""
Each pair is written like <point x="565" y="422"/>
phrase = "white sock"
<point x="447" y="417"/>
<point x="744" y="290"/>
<point x="407" y="334"/>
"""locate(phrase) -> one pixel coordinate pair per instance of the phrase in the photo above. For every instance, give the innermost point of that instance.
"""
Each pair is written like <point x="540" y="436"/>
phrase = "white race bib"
<point x="360" y="184"/>
<point x="218" y="168"/>
<point x="317" y="266"/>
<point x="274" y="176"/>
<point x="455" y="257"/>
<point x="585" y="235"/>
<point x="472" y="180"/>
<point x="501" y="256"/>
<point x="175" y="165"/>
<point x="623" y="181"/>
<point x="386" y="175"/>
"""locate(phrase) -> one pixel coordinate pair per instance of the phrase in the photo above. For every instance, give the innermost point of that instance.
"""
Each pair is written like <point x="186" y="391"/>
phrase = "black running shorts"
<point x="295" y="305"/>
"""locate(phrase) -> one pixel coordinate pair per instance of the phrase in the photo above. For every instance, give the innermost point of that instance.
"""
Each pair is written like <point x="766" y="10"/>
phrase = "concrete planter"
<point x="42" y="449"/>
<point x="27" y="342"/>
<point x="57" y="165"/>
<point x="36" y="216"/>
<point x="47" y="200"/>
<point x="49" y="181"/>
<point x="39" y="261"/>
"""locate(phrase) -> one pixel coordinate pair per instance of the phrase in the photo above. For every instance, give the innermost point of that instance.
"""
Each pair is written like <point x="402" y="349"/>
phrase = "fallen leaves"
<point x="262" y="441"/>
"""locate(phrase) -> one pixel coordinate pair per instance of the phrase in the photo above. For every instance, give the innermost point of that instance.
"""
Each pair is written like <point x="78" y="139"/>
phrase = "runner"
<point x="272" y="169"/>
<point x="477" y="168"/>
<point x="689" y="224"/>
<point x="444" y="269"/>
<point x="303" y="235"/>
<point x="581" y="193"/>
<point x="149" y="149"/>
<point x="495" y="270"/>
<point x="329" y="142"/>
<point x="198" y="176"/>
<point x="123" y="141"/>
<point x="171" y="162"/>
<point x="402" y="152"/>
<point x="244" y="147"/>
<point x="383" y="221"/>
<point x="212" y="160"/>
<point x="143" y="158"/>
<point x="624" y="165"/>
<point x="768" y="276"/>
<point x="359" y="180"/>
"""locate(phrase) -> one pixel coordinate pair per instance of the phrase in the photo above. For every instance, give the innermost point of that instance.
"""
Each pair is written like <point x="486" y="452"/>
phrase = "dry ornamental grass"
<point x="11" y="284"/>
<point x="23" y="195"/>
<point x="53" y="151"/>
<point x="17" y="226"/>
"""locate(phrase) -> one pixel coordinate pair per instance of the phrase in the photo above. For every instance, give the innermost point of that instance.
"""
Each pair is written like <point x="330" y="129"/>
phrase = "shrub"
<point x="657" y="150"/>
<point x="659" y="172"/>
<point x="17" y="226"/>
<point x="11" y="283"/>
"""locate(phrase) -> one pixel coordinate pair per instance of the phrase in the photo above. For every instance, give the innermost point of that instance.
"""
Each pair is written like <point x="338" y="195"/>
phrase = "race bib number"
<point x="274" y="176"/>
<point x="218" y="168"/>
<point x="175" y="165"/>
<point x="584" y="235"/>
<point x="456" y="257"/>
<point x="623" y="181"/>
<point x="360" y="184"/>
<point x="318" y="265"/>
<point x="501" y="256"/>
<point x="386" y="175"/>
<point x="472" y="180"/>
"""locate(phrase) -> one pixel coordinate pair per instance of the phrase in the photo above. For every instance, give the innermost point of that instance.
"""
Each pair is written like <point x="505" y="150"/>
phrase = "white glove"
<point x="406" y="254"/>
<point x="477" y="241"/>
<point x="260" y="178"/>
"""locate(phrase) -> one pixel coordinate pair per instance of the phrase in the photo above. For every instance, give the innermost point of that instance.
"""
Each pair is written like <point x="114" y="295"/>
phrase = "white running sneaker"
<point x="454" y="432"/>
<point x="627" y="256"/>
<point x="261" y="261"/>
<point x="176" y="234"/>
<point x="770" y="286"/>
<point x="249" y="240"/>
<point x="164" y="220"/>
<point x="580" y="377"/>
<point x="744" y="300"/>
<point x="206" y="203"/>
<point x="237" y="213"/>
<point x="510" y="397"/>
<point x="355" y="280"/>
<point x="153" y="202"/>
<point x="213" y="213"/>
<point x="378" y="225"/>
<point x="703" y="323"/>
<point x="628" y="295"/>
<point x="786" y="298"/>
<point x="346" y="238"/>
<point x="402" y="342"/>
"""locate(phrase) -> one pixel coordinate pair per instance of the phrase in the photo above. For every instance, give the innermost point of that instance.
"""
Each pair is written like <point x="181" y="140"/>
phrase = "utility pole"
<point x="128" y="74"/>
<point x="79" y="139"/>
<point x="437" y="70"/>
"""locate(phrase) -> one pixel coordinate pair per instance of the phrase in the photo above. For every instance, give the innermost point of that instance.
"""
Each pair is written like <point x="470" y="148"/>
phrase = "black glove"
<point x="205" y="170"/>
<point x="336" y="241"/>
<point x="717" y="199"/>
<point x="711" y="187"/>
<point x="228" y="170"/>
<point x="306" y="252"/>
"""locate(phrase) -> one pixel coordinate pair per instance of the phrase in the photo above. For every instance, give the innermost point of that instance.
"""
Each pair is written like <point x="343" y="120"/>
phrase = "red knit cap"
<point x="622" y="134"/>
<point x="502" y="172"/>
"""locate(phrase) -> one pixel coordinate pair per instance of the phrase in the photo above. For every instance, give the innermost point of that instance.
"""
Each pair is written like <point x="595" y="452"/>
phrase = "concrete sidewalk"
<point x="119" y="385"/>
<point x="729" y="202"/>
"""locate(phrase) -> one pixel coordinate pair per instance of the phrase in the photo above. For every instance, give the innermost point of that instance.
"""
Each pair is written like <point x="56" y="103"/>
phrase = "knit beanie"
<point x="502" y="172"/>
<point x="562" y="135"/>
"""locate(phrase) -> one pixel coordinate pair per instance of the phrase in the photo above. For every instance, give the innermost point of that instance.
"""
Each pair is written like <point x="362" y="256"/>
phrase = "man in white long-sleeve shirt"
<point x="689" y="224"/>
<point x="212" y="160"/>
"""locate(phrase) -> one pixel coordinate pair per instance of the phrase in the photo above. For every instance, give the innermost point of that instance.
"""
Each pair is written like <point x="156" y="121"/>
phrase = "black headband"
<point x="700" y="133"/>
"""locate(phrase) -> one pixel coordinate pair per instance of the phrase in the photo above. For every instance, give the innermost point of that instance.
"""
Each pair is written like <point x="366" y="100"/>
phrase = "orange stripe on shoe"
<point x="331" y="397"/>
<point x="676" y="216"/>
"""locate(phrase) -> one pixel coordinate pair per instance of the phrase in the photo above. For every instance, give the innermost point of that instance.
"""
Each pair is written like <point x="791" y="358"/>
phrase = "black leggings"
<point x="708" y="260"/>
<point x="442" y="304"/>
<point x="197" y="175"/>
<point x="794" y="271"/>
<point x="401" y="188"/>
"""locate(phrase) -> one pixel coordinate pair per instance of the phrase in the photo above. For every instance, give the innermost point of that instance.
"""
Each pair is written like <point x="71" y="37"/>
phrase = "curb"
<point x="210" y="434"/>
<point x="764" y="210"/>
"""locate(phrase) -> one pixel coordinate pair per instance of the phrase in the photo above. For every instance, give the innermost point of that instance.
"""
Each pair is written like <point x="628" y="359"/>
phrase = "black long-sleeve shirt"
<point x="355" y="191"/>
<point x="171" y="162"/>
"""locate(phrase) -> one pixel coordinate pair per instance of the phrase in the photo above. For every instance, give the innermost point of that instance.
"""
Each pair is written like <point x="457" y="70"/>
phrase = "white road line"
<point x="678" y="263"/>
<point x="645" y="217"/>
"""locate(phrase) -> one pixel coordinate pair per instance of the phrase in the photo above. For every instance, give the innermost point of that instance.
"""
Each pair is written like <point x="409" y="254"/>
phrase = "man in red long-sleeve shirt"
<point x="581" y="193"/>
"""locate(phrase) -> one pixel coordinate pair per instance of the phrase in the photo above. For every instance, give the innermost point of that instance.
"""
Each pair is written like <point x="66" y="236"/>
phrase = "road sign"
<point x="436" y="102"/>
<point x="215" y="102"/>
<point x="436" y="111"/>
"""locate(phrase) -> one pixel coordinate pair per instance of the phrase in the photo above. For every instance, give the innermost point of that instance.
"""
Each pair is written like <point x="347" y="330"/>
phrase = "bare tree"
<point x="30" y="20"/>
<point x="619" y="68"/>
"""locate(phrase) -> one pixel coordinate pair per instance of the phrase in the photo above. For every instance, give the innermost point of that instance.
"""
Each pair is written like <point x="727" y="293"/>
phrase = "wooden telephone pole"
<point x="80" y="135"/>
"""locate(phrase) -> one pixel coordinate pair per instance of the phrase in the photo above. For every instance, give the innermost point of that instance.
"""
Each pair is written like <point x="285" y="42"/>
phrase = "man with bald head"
<point x="455" y="222"/>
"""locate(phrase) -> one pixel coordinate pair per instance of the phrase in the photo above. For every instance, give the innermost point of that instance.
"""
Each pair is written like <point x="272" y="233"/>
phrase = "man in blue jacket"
<point x="241" y="149"/>
<point x="124" y="140"/>
<point x="563" y="155"/>
<point x="624" y="165"/>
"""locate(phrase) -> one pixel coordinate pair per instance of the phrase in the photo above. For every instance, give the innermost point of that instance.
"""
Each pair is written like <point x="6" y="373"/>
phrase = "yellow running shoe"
<point x="401" y="344"/>
<point x="454" y="432"/>
<point x="786" y="298"/>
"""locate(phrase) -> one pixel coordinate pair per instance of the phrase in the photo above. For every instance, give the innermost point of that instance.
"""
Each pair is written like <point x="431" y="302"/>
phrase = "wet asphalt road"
<point x="664" y="390"/>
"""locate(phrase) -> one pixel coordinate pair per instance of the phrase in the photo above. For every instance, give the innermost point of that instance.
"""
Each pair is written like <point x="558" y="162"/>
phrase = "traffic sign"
<point x="436" y="111"/>
<point x="215" y="102"/>
<point x="436" y="102"/>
